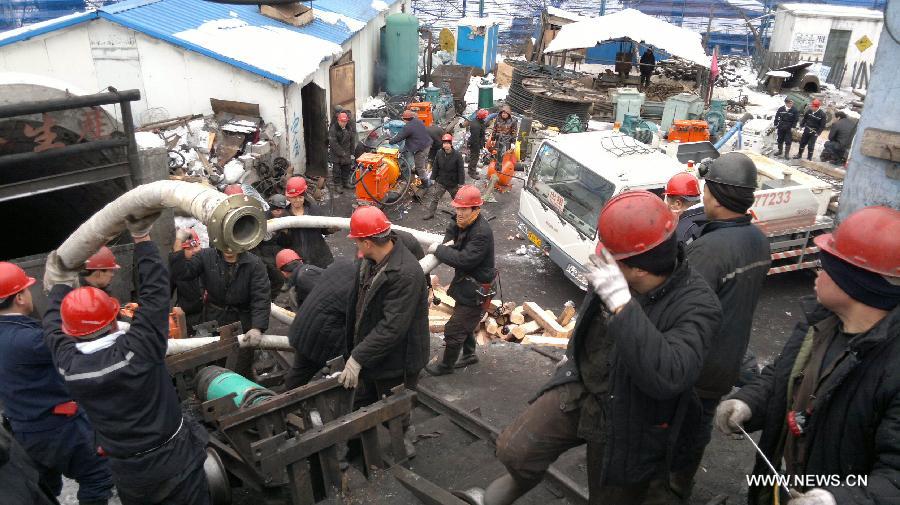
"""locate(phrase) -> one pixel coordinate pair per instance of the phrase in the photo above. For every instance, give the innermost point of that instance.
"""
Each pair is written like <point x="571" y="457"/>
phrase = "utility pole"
<point x="464" y="8"/>
<point x="602" y="7"/>
<point x="481" y="8"/>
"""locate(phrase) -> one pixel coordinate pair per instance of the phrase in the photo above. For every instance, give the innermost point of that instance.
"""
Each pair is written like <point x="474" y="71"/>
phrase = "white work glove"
<point x="815" y="496"/>
<point x="432" y="248"/>
<point x="183" y="235"/>
<point x="56" y="273"/>
<point x="350" y="376"/>
<point x="607" y="280"/>
<point x="253" y="337"/>
<point x="732" y="414"/>
<point x="140" y="226"/>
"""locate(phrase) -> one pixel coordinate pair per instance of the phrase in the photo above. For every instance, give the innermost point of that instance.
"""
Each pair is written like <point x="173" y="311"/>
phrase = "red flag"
<point x="714" y="67"/>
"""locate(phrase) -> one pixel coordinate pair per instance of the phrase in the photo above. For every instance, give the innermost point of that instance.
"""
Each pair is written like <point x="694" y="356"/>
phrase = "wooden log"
<point x="546" y="322"/>
<point x="442" y="308"/>
<point x="482" y="337"/>
<point x="491" y="326"/>
<point x="517" y="316"/>
<point x="444" y="297"/>
<point x="545" y="339"/>
<point x="524" y="329"/>
<point x="567" y="314"/>
<point x="436" y="326"/>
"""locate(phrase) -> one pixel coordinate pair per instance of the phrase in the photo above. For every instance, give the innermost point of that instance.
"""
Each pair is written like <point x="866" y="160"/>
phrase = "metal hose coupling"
<point x="237" y="224"/>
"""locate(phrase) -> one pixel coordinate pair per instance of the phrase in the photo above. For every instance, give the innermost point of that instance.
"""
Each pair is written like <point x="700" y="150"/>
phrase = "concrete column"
<point x="154" y="166"/>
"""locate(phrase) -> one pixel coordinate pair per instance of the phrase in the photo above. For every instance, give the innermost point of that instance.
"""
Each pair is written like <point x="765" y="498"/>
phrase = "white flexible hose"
<point x="282" y="314"/>
<point x="268" y="342"/>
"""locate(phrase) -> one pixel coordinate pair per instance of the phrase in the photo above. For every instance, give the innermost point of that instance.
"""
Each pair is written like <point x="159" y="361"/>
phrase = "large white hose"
<point x="205" y="203"/>
<point x="282" y="314"/>
<point x="268" y="342"/>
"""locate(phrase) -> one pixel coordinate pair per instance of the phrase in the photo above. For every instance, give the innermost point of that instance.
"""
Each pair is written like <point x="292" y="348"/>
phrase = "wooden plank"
<point x="300" y="484"/>
<point x="881" y="144"/>
<point x="545" y="340"/>
<point x="234" y="107"/>
<point x="398" y="448"/>
<point x="549" y="324"/>
<point x="567" y="313"/>
<point x="442" y="308"/>
<point x="524" y="329"/>
<point x="482" y="337"/>
<point x="491" y="326"/>
<point x="437" y="327"/>
<point x="444" y="298"/>
<point x="426" y="491"/>
<point x="517" y="316"/>
<point x="371" y="446"/>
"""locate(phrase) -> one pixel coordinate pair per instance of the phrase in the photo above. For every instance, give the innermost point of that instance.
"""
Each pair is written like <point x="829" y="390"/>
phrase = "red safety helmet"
<point x="87" y="310"/>
<point x="467" y="196"/>
<point x="868" y="238"/>
<point x="367" y="222"/>
<point x="13" y="279"/>
<point x="192" y="242"/>
<point x="234" y="189"/>
<point x="102" y="260"/>
<point x="816" y="103"/>
<point x="296" y="186"/>
<point x="683" y="184"/>
<point x="633" y="223"/>
<point x="481" y="114"/>
<point x="447" y="138"/>
<point x="408" y="114"/>
<point x="343" y="117"/>
<point x="285" y="256"/>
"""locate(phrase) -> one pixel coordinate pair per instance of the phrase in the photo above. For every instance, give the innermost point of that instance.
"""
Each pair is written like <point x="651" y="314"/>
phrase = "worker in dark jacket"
<point x="683" y="199"/>
<point x="477" y="130"/>
<point x="647" y="65"/>
<point x="269" y="246"/>
<point x="19" y="477"/>
<point x="319" y="332"/>
<point x="505" y="129"/>
<point x="187" y="294"/>
<point x="418" y="141"/>
<point x="447" y="174"/>
<point x="341" y="149"/>
<point x="437" y="135"/>
<point x="829" y="406"/>
<point x="387" y="319"/>
<point x="308" y="242"/>
<point x="120" y="379"/>
<point x="299" y="276"/>
<point x="472" y="257"/>
<point x="785" y="120"/>
<point x="237" y="290"/>
<point x="813" y="123"/>
<point x="45" y="421"/>
<point x="839" y="139"/>
<point x="733" y="256"/>
<point x="627" y="377"/>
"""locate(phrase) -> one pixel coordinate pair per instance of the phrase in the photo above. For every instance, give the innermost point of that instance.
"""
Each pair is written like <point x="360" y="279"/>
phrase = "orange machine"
<point x="423" y="111"/>
<point x="177" y="321"/>
<point x="377" y="173"/>
<point x="507" y="168"/>
<point x="689" y="130"/>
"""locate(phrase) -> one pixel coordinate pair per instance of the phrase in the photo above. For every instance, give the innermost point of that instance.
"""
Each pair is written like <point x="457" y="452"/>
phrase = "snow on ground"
<point x="471" y="98"/>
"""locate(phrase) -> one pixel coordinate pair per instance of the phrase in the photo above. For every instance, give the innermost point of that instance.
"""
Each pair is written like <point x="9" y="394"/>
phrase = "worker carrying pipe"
<point x="829" y="405"/>
<point x="625" y="382"/>
<point x="121" y="381"/>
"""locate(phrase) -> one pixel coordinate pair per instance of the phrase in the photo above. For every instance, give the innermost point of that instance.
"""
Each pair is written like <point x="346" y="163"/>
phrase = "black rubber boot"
<point x="800" y="154"/>
<point x="445" y="366"/>
<point x="809" y="156"/>
<point x="468" y="353"/>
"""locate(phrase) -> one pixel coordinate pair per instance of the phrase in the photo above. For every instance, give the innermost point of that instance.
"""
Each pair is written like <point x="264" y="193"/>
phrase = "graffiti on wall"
<point x="45" y="135"/>
<point x="297" y="139"/>
<point x="809" y="42"/>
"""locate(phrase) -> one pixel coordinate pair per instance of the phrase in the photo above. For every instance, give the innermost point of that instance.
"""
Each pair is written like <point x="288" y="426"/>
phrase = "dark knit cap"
<point x="733" y="198"/>
<point x="862" y="285"/>
<point x="658" y="261"/>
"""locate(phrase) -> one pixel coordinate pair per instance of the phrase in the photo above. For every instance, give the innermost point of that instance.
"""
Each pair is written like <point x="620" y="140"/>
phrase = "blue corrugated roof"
<point x="166" y="19"/>
<point x="51" y="25"/>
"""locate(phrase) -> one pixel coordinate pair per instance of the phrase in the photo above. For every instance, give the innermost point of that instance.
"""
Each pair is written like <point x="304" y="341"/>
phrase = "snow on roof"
<point x="240" y="41"/>
<point x="831" y="11"/>
<point x="562" y="13"/>
<point x="473" y="21"/>
<point x="634" y="25"/>
<point x="751" y="5"/>
<point x="33" y="30"/>
<point x="354" y="25"/>
<point x="379" y="5"/>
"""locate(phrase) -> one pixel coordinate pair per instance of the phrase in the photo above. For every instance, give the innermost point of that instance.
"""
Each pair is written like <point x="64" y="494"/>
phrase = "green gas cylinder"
<point x="485" y="94"/>
<point x="401" y="48"/>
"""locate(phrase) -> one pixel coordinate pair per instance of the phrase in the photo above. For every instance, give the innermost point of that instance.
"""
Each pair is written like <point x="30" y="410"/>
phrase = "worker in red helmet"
<point x="121" y="381"/>
<point x="269" y="246"/>
<point x="683" y="198"/>
<point x="417" y="141"/>
<point x="233" y="189"/>
<point x="813" y="123"/>
<point x="341" y="151"/>
<point x="637" y="348"/>
<point x="829" y="405"/>
<point x="448" y="173"/>
<point x="187" y="294"/>
<point x="52" y="429"/>
<point x="472" y="257"/>
<point x="99" y="270"/>
<point x="733" y="256"/>
<point x="308" y="243"/>
<point x="477" y="129"/>
<point x="387" y="311"/>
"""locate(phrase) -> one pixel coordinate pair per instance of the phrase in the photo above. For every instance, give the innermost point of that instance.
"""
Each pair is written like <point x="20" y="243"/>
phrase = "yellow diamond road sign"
<point x="863" y="43"/>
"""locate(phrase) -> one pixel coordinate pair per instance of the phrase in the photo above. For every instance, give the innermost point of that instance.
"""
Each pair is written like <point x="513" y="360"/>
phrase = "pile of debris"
<point x="734" y="71"/>
<point x="677" y="69"/>
<point x="662" y="90"/>
<point x="526" y="324"/>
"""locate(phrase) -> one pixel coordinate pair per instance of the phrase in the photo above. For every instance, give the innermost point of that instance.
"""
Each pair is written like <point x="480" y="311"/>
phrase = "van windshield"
<point x="569" y="188"/>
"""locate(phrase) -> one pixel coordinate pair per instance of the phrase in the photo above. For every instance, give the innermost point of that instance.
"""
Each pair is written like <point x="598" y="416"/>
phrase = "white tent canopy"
<point x="637" y="26"/>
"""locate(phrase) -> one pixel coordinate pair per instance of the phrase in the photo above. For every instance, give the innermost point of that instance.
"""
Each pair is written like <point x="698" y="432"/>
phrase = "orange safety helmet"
<point x="342" y="116"/>
<point x="295" y="186"/>
<point x="683" y="184"/>
<point x="192" y="242"/>
<point x="633" y="223"/>
<point x="87" y="310"/>
<point x="408" y="114"/>
<point x="467" y="196"/>
<point x="102" y="260"/>
<point x="285" y="256"/>
<point x="13" y="280"/>
<point x="447" y="138"/>
<point x="868" y="238"/>
<point x="816" y="103"/>
<point x="234" y="189"/>
<point x="481" y="114"/>
<point x="368" y="221"/>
